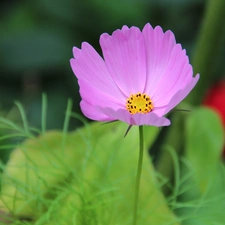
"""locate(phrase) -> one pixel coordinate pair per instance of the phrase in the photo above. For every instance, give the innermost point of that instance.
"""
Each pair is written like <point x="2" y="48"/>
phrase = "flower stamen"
<point x="139" y="103"/>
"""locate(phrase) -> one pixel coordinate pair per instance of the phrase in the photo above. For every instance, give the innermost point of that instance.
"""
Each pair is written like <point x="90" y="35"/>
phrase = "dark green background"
<point x="37" y="38"/>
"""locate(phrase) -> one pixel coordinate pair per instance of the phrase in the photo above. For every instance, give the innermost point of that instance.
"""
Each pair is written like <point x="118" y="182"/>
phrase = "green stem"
<point x="44" y="113"/>
<point x="138" y="177"/>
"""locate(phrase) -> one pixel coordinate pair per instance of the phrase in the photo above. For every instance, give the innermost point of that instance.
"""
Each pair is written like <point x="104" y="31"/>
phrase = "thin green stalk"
<point x="24" y="118"/>
<point x="44" y="113"/>
<point x="66" y="121"/>
<point x="138" y="177"/>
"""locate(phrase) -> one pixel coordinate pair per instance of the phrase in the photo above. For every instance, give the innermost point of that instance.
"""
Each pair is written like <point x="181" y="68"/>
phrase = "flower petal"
<point x="178" y="73"/>
<point x="181" y="94"/>
<point x="93" y="113"/>
<point x="97" y="97"/>
<point x="137" y="119"/>
<point x="87" y="64"/>
<point x="168" y="66"/>
<point x="125" y="57"/>
<point x="158" y="48"/>
<point x="178" y="97"/>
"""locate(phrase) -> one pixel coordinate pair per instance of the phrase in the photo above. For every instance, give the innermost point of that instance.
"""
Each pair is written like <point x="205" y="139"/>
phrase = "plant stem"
<point x="138" y="177"/>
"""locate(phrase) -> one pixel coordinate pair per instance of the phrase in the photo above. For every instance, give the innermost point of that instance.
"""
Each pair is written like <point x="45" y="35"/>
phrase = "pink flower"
<point x="142" y="77"/>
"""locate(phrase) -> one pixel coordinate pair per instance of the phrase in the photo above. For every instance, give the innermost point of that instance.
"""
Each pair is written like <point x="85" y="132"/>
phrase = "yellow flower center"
<point x="139" y="103"/>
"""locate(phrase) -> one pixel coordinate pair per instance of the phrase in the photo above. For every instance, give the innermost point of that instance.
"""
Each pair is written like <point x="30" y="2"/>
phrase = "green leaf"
<point x="204" y="145"/>
<point x="203" y="202"/>
<point x="86" y="176"/>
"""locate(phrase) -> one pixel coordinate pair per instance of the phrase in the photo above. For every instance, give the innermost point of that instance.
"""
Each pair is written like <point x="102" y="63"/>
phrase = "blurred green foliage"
<point x="82" y="177"/>
<point x="202" y="195"/>
<point x="87" y="175"/>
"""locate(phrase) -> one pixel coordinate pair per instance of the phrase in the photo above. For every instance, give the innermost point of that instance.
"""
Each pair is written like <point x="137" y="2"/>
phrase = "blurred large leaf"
<point x="204" y="145"/>
<point x="204" y="198"/>
<point x="86" y="176"/>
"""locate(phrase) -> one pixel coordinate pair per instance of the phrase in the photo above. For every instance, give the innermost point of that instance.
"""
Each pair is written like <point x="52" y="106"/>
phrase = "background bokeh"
<point x="36" y="40"/>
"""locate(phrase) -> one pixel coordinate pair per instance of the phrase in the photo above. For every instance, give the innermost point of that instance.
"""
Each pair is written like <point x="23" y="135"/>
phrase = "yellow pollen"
<point x="139" y="103"/>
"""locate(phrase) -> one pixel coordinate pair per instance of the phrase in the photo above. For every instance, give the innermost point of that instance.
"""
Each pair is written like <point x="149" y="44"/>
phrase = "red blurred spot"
<point x="215" y="99"/>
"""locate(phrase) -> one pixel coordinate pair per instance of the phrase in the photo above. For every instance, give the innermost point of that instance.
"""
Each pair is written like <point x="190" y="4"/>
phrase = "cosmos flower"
<point x="141" y="77"/>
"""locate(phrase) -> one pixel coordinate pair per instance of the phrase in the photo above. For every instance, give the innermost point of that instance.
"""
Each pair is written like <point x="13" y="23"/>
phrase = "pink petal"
<point x="125" y="57"/>
<point x="93" y="113"/>
<point x="181" y="94"/>
<point x="177" y="75"/>
<point x="88" y="65"/>
<point x="97" y="97"/>
<point x="137" y="119"/>
<point x="168" y="70"/>
<point x="177" y="97"/>
<point x="158" y="46"/>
